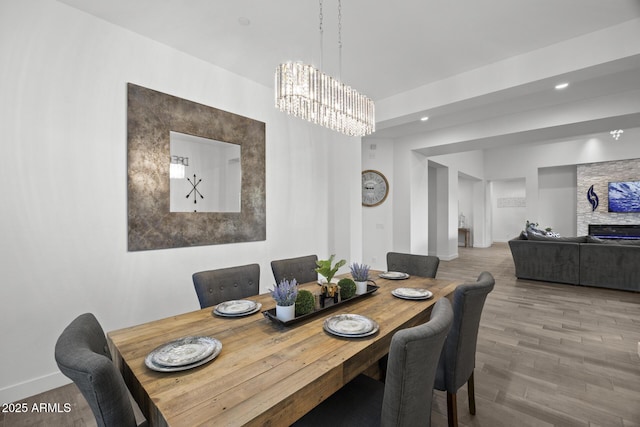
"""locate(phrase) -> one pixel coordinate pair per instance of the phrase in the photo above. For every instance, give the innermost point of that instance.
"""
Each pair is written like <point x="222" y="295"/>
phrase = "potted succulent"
<point x="285" y="294"/>
<point x="360" y="274"/>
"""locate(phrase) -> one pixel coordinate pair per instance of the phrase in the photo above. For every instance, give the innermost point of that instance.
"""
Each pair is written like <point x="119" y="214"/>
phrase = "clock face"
<point x="374" y="188"/>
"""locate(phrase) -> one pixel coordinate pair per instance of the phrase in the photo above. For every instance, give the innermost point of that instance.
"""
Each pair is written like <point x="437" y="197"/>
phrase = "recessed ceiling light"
<point x="562" y="86"/>
<point x="424" y="119"/>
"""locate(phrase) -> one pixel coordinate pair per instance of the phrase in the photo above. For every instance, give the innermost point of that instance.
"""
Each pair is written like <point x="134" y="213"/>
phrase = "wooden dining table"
<point x="266" y="373"/>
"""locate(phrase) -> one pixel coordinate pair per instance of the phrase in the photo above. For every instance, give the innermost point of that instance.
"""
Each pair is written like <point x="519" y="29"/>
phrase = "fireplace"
<point x="612" y="231"/>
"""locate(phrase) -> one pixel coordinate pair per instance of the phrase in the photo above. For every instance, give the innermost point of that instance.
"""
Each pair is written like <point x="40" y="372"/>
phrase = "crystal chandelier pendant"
<point x="306" y="92"/>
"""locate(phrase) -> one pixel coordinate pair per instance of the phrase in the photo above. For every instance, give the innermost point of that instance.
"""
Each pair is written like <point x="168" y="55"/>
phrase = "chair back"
<point x="82" y="354"/>
<point x="415" y="265"/>
<point x="413" y="359"/>
<point x="303" y="269"/>
<point x="225" y="284"/>
<point x="458" y="357"/>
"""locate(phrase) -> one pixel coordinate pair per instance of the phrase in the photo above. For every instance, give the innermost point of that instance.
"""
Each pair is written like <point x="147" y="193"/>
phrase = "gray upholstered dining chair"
<point x="225" y="284"/>
<point x="405" y="398"/>
<point x="303" y="269"/>
<point x="458" y="357"/>
<point x="415" y="265"/>
<point x="82" y="354"/>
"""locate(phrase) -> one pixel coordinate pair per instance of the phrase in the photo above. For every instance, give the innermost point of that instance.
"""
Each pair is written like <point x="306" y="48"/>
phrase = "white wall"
<point x="557" y="190"/>
<point x="63" y="218"/>
<point x="433" y="217"/>
<point x="507" y="219"/>
<point x="466" y="205"/>
<point x="377" y="221"/>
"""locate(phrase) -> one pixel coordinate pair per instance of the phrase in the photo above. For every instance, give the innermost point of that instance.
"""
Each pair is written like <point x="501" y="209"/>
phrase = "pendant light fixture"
<point x="304" y="91"/>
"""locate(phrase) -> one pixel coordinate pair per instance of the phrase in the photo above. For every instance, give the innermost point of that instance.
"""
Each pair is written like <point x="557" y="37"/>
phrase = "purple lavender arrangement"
<point x="286" y="292"/>
<point x="359" y="272"/>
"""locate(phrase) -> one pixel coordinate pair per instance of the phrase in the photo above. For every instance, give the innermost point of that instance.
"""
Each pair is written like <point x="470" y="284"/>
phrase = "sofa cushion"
<point x="593" y="239"/>
<point x="615" y="266"/>
<point x="579" y="239"/>
<point x="632" y="242"/>
<point x="551" y="261"/>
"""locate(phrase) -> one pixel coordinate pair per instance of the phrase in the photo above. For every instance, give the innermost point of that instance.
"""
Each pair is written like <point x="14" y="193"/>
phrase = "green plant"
<point x="347" y="288"/>
<point x="305" y="302"/>
<point x="326" y="268"/>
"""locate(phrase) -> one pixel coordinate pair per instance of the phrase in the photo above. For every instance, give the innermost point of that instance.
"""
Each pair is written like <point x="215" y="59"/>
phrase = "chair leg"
<point x="452" y="409"/>
<point x="382" y="367"/>
<point x="472" y="394"/>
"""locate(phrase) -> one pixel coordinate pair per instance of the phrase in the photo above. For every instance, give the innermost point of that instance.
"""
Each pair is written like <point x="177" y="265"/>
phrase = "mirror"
<point x="204" y="174"/>
<point x="155" y="221"/>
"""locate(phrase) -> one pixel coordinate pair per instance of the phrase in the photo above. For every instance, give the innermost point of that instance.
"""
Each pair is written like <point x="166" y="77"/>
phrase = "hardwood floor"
<point x="548" y="355"/>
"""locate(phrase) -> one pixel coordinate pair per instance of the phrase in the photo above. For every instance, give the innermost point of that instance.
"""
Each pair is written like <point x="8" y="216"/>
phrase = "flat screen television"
<point x="624" y="196"/>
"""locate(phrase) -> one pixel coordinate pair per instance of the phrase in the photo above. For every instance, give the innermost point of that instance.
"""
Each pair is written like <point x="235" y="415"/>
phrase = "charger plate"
<point x="394" y="275"/>
<point x="256" y="309"/>
<point x="412" y="293"/>
<point x="235" y="307"/>
<point x="183" y="353"/>
<point x="350" y="325"/>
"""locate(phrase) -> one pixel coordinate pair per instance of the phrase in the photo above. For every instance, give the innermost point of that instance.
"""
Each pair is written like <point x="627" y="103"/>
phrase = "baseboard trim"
<point x="32" y="387"/>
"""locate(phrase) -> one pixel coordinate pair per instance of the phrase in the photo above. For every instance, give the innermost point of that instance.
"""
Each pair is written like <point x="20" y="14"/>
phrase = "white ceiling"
<point x="389" y="47"/>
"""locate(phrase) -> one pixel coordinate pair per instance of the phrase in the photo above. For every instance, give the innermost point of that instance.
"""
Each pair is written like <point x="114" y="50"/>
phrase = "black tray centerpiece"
<point x="329" y="303"/>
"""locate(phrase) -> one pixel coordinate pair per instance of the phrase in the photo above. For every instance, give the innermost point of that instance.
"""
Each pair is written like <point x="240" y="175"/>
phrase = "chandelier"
<point x="306" y="92"/>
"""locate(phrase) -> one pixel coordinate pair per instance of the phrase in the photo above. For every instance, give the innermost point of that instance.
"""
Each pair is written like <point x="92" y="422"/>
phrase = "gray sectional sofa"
<point x="584" y="260"/>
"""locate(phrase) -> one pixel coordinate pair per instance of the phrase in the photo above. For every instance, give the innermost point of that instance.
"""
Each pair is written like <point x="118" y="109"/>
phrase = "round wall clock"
<point x="375" y="188"/>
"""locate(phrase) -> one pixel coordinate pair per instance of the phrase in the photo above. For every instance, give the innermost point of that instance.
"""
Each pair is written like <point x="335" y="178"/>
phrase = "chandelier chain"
<point x="321" y="37"/>
<point x="340" y="39"/>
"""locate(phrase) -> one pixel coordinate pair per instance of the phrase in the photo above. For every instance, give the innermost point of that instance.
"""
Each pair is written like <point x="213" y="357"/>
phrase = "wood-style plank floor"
<point x="548" y="355"/>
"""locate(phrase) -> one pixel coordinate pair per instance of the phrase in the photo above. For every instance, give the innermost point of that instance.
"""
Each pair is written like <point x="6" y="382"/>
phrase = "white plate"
<point x="350" y="325"/>
<point x="255" y="310"/>
<point x="184" y="351"/>
<point x="160" y="368"/>
<point x="394" y="275"/>
<point x="412" y="293"/>
<point x="234" y="307"/>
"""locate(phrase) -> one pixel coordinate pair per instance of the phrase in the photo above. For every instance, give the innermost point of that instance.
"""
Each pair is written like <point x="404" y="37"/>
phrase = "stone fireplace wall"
<point x="599" y="175"/>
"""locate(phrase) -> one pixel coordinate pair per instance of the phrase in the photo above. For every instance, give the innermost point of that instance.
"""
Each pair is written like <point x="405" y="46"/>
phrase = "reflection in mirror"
<point x="205" y="174"/>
